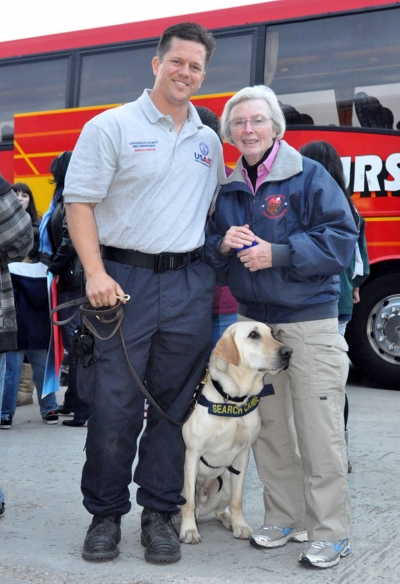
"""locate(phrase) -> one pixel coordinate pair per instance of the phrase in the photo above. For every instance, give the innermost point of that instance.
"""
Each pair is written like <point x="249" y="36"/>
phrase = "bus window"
<point x="319" y="105"/>
<point x="115" y="76"/>
<point x="120" y="76"/>
<point x="336" y="57"/>
<point x="30" y="86"/>
<point x="230" y="66"/>
<point x="379" y="104"/>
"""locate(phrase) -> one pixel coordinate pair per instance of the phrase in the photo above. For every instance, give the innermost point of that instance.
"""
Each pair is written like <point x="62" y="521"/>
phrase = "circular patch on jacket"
<point x="274" y="206"/>
<point x="204" y="149"/>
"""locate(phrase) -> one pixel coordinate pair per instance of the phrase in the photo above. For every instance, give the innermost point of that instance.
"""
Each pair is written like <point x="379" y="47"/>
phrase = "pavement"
<point x="42" y="532"/>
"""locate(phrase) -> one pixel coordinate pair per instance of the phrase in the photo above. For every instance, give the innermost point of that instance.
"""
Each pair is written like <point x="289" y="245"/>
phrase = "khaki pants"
<point x="301" y="451"/>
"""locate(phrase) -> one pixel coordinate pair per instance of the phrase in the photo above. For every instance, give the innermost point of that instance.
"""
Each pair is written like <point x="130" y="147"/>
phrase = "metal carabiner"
<point x="125" y="298"/>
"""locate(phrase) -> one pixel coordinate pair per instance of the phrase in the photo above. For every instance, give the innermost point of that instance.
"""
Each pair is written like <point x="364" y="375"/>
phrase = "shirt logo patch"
<point x="274" y="206"/>
<point x="202" y="155"/>
<point x="204" y="149"/>
<point x="144" y="146"/>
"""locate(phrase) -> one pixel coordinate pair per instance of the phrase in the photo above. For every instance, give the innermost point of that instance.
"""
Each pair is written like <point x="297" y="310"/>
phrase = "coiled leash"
<point x="83" y="343"/>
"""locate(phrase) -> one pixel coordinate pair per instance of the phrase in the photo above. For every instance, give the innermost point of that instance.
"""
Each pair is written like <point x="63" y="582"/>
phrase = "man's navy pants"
<point x="167" y="332"/>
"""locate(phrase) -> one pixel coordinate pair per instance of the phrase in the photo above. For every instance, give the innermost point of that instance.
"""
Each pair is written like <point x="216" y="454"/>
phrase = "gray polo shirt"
<point x="153" y="187"/>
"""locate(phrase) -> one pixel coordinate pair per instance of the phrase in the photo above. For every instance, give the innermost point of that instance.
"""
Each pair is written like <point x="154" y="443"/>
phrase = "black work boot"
<point x="102" y="539"/>
<point x="160" y="537"/>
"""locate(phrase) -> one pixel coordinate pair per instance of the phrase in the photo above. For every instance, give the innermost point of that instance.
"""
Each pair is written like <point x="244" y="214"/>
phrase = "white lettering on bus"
<point x="370" y="167"/>
<point x="374" y="165"/>
<point x="393" y="168"/>
<point x="346" y="163"/>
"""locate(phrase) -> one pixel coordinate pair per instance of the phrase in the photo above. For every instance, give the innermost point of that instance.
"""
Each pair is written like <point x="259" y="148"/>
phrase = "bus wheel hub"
<point x="384" y="328"/>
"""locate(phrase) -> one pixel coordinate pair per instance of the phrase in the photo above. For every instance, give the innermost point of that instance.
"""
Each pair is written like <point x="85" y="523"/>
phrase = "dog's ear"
<point x="227" y="350"/>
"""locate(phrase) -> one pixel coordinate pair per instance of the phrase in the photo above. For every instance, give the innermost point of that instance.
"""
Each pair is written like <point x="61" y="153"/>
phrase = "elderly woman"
<point x="281" y="232"/>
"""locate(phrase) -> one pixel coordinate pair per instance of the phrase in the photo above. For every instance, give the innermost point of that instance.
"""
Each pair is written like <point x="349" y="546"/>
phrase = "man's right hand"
<point x="102" y="290"/>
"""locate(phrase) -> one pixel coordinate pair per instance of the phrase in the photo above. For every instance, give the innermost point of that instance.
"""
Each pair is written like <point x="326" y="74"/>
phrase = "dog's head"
<point x="251" y="344"/>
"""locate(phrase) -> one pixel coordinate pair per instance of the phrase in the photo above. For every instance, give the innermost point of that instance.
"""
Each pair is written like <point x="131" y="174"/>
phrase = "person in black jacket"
<point x="66" y="265"/>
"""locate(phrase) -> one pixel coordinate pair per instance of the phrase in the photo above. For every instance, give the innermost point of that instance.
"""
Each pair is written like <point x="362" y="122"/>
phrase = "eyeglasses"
<point x="192" y="66"/>
<point x="255" y="122"/>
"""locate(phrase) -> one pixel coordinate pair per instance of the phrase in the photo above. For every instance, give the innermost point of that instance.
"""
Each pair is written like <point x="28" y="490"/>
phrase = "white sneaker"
<point x="325" y="554"/>
<point x="271" y="536"/>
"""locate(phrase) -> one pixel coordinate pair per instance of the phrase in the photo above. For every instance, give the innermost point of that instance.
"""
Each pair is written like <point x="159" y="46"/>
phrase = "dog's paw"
<point x="225" y="518"/>
<point x="242" y="531"/>
<point x="190" y="536"/>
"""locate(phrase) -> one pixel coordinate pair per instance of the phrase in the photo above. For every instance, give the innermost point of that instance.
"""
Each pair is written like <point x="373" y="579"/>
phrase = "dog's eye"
<point x="254" y="335"/>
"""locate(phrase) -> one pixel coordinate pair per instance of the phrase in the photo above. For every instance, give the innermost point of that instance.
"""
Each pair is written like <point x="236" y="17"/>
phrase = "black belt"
<point x="158" y="262"/>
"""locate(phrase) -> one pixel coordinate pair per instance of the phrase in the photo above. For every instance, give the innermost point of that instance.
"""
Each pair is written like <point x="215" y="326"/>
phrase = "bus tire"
<point x="373" y="334"/>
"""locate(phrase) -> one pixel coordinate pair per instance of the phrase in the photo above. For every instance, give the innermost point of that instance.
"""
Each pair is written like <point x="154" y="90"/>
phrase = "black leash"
<point x="115" y="315"/>
<point x="230" y="468"/>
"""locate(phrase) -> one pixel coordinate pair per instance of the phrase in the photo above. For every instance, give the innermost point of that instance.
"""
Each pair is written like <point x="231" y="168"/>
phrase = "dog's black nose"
<point x="285" y="352"/>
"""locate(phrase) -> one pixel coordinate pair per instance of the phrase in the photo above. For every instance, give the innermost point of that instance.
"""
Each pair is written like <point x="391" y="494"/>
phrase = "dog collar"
<point x="230" y="410"/>
<point x="226" y="396"/>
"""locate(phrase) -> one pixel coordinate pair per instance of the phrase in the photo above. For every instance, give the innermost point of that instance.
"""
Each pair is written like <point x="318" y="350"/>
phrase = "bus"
<point x="335" y="69"/>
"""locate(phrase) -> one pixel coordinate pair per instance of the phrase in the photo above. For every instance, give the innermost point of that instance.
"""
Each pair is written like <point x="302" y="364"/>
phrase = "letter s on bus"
<point x="393" y="168"/>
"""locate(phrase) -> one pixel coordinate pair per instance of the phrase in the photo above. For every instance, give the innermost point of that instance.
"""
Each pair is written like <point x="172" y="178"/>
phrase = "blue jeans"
<point x="37" y="359"/>
<point x="220" y="323"/>
<point x="2" y="374"/>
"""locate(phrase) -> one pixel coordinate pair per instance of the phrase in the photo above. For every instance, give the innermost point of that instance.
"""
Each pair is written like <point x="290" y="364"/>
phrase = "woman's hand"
<point x="236" y="238"/>
<point x="257" y="257"/>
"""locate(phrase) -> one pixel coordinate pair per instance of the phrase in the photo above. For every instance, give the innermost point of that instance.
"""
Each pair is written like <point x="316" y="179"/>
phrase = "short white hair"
<point x="249" y="93"/>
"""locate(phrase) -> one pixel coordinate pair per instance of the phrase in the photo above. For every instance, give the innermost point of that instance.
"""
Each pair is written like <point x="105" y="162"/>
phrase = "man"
<point x="140" y="182"/>
<point x="16" y="239"/>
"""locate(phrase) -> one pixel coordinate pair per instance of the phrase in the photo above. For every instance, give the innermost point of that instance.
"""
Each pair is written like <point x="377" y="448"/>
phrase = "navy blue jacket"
<point x="32" y="305"/>
<point x="304" y="214"/>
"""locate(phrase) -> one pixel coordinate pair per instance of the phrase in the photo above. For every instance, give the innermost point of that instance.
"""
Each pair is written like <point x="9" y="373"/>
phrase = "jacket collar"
<point x="288" y="163"/>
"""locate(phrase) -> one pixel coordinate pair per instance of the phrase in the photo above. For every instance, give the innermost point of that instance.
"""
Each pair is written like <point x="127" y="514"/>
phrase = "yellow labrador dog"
<point x="224" y="424"/>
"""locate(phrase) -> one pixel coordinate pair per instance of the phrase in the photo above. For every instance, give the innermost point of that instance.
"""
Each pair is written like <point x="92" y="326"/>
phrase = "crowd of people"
<point x="145" y="218"/>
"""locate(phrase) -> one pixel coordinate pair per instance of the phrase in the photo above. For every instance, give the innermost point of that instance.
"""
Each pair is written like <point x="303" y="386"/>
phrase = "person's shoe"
<point x="2" y="510"/>
<point x="271" y="536"/>
<point x="6" y="423"/>
<point x="102" y="539"/>
<point x="51" y="417"/>
<point x="74" y="423"/>
<point x="325" y="554"/>
<point x="62" y="411"/>
<point x="159" y="537"/>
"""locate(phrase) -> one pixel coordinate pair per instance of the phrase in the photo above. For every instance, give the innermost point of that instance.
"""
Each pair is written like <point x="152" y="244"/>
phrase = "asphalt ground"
<point x="42" y="532"/>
